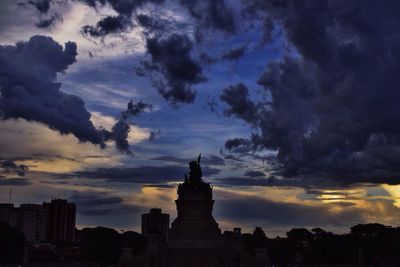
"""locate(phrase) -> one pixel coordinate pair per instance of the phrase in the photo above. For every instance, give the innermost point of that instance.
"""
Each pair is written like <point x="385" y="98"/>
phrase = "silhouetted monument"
<point x="194" y="205"/>
<point x="194" y="237"/>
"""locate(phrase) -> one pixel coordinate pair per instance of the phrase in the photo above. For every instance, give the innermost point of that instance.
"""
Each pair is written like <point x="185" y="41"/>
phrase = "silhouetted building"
<point x="194" y="207"/>
<point x="237" y="231"/>
<point x="155" y="223"/>
<point x="5" y="209"/>
<point x="50" y="222"/>
<point x="31" y="221"/>
<point x="194" y="237"/>
<point x="60" y="223"/>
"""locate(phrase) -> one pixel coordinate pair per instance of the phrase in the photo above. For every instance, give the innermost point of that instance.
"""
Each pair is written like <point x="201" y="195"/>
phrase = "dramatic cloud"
<point x="207" y="160"/>
<point x="214" y="14"/>
<point x="270" y="212"/>
<point x="122" y="7"/>
<point x="123" y="22"/>
<point x="121" y="129"/>
<point x="14" y="181"/>
<point x="42" y="6"/>
<point x="93" y="203"/>
<point x="48" y="22"/>
<point x="334" y="108"/>
<point x="144" y="174"/>
<point x="29" y="90"/>
<point x="235" y="53"/>
<point x="237" y="97"/>
<point x="272" y="181"/>
<point x="10" y="167"/>
<point x="152" y="23"/>
<point x="173" y="69"/>
<point x="172" y="58"/>
<point x="107" y="25"/>
<point x="239" y="145"/>
<point x="254" y="174"/>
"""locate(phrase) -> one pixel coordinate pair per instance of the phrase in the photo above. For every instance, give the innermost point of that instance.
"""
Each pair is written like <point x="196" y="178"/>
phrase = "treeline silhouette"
<point x="368" y="244"/>
<point x="94" y="245"/>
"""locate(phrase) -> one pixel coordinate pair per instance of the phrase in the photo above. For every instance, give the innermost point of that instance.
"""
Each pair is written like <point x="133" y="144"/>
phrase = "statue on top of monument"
<point x="195" y="171"/>
<point x="193" y="181"/>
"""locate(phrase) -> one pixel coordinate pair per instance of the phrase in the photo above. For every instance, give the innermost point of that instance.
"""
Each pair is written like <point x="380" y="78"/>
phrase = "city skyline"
<point x="292" y="104"/>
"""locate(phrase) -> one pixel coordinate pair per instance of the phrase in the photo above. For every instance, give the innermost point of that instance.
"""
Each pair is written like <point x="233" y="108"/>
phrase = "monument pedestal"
<point x="194" y="237"/>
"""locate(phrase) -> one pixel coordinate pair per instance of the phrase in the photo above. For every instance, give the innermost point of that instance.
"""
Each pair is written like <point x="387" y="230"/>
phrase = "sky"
<point x="292" y="104"/>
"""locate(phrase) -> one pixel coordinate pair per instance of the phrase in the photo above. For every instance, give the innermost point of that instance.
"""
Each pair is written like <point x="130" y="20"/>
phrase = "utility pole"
<point x="10" y="194"/>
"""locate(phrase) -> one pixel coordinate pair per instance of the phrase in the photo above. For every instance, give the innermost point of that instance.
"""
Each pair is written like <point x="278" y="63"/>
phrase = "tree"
<point x="300" y="234"/>
<point x="253" y="241"/>
<point x="12" y="244"/>
<point x="100" y="245"/>
<point x="134" y="240"/>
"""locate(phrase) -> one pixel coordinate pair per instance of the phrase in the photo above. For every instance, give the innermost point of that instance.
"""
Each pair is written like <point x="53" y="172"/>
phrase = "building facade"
<point x="31" y="221"/>
<point x="195" y="238"/>
<point x="60" y="220"/>
<point x="155" y="223"/>
<point x="5" y="209"/>
<point x="49" y="222"/>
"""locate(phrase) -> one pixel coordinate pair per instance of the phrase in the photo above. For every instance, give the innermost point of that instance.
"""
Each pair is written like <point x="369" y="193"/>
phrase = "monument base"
<point x="197" y="253"/>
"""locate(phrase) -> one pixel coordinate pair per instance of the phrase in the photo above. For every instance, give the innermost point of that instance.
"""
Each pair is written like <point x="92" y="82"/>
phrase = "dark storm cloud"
<point x="171" y="60"/>
<point x="210" y="14"/>
<point x="14" y="181"/>
<point x="267" y="30"/>
<point x="213" y="160"/>
<point x="135" y="109"/>
<point x="172" y="159"/>
<point x="48" y="22"/>
<point x="123" y="22"/>
<point x="121" y="129"/>
<point x="32" y="93"/>
<point x="232" y="157"/>
<point x="239" y="145"/>
<point x="171" y="57"/>
<point x="143" y="174"/>
<point x="214" y="14"/>
<point x="234" y="53"/>
<point x="237" y="97"/>
<point x="334" y="111"/>
<point x="251" y="209"/>
<point x="29" y="90"/>
<point x="207" y="60"/>
<point x="311" y="184"/>
<point x="152" y="23"/>
<point x="93" y="203"/>
<point x="42" y="6"/>
<point x="245" y="181"/>
<point x="122" y="7"/>
<point x="107" y="25"/>
<point x="254" y="174"/>
<point x="264" y="181"/>
<point x="8" y="166"/>
<point x="159" y="186"/>
<point x="206" y="160"/>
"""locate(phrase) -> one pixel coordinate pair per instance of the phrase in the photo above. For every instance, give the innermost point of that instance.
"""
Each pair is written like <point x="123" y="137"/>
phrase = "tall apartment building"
<point x="5" y="209"/>
<point x="155" y="223"/>
<point x="60" y="220"/>
<point x="31" y="222"/>
<point x="49" y="222"/>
